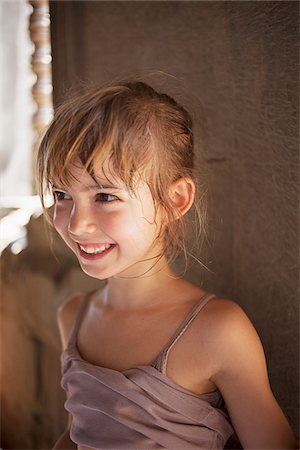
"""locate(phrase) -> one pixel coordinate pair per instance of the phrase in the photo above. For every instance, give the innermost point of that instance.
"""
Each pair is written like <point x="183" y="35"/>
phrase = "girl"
<point x="149" y="360"/>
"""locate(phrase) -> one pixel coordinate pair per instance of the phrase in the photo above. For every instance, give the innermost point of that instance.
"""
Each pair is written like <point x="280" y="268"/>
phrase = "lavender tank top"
<point x="140" y="408"/>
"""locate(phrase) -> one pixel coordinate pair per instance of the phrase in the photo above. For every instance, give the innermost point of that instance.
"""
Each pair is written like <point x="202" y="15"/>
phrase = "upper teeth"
<point x="94" y="249"/>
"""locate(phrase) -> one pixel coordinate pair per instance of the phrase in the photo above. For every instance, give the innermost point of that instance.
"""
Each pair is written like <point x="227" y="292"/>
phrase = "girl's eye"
<point x="106" y="198"/>
<point x="59" y="195"/>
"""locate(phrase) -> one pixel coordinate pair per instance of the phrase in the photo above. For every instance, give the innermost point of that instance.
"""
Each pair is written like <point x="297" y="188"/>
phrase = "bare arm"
<point x="65" y="318"/>
<point x="241" y="375"/>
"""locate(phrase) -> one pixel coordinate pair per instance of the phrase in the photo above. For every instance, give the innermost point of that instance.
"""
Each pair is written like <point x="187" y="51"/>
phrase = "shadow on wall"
<point x="34" y="283"/>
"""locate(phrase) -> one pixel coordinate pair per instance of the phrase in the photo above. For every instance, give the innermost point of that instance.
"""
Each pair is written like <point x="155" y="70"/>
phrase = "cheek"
<point x="129" y="224"/>
<point x="118" y="223"/>
<point x="60" y="220"/>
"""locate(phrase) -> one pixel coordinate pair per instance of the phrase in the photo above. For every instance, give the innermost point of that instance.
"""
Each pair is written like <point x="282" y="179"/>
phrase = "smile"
<point x="95" y="249"/>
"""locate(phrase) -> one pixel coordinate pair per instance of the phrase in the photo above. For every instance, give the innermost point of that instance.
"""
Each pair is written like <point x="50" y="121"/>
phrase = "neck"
<point x="144" y="290"/>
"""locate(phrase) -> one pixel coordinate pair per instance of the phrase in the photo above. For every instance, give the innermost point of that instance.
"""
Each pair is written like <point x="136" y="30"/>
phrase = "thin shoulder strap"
<point x="160" y="362"/>
<point x="78" y="319"/>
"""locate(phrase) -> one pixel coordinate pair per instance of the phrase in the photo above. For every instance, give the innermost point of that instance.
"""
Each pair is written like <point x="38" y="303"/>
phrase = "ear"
<point x="182" y="193"/>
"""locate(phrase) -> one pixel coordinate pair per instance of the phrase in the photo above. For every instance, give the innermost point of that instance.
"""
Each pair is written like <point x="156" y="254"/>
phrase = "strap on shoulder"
<point x="160" y="362"/>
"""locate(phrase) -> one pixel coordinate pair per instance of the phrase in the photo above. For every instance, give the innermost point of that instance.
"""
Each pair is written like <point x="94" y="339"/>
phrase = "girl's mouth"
<point x="92" y="252"/>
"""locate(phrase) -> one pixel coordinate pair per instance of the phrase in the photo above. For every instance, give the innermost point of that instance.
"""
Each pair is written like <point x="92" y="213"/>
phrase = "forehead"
<point x="102" y="176"/>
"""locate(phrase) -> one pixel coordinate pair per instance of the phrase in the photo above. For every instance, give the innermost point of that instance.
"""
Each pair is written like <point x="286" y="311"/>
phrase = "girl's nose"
<point x="81" y="222"/>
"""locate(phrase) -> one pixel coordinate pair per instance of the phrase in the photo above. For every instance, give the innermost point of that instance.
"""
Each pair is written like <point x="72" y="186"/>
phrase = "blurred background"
<point x="235" y="61"/>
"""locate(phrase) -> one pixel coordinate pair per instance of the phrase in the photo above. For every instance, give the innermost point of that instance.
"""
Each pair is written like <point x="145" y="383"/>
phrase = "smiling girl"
<point x="149" y="360"/>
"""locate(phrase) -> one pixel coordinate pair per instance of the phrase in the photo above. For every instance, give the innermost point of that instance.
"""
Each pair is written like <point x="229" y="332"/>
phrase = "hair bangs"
<point x="124" y="147"/>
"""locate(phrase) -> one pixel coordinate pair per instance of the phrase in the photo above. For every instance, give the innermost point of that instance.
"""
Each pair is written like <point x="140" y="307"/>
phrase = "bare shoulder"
<point x="225" y="316"/>
<point x="66" y="315"/>
<point x="233" y="339"/>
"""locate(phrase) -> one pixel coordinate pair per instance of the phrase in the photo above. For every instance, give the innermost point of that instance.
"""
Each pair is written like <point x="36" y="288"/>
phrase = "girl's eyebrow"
<point x="102" y="186"/>
<point x="93" y="187"/>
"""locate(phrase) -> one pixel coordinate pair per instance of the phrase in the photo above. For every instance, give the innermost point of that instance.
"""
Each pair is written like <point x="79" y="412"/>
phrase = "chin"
<point x="102" y="275"/>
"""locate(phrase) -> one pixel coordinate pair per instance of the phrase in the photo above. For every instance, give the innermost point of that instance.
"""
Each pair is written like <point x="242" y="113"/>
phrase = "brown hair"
<point x="139" y="131"/>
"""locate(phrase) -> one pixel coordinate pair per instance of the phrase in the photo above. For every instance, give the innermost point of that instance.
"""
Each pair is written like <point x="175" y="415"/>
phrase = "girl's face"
<point x="109" y="229"/>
